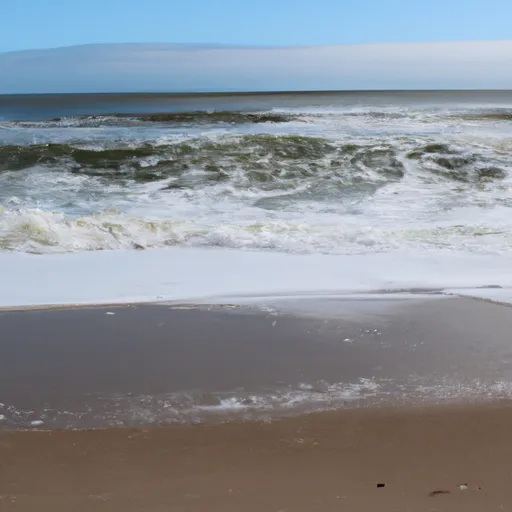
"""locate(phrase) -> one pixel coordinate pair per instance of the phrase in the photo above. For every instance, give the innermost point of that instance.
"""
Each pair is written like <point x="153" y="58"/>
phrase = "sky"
<point x="160" y="67"/>
<point x="253" y="45"/>
<point x="29" y="24"/>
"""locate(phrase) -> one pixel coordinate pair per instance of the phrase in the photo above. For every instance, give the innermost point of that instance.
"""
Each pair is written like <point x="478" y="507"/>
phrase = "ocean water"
<point x="249" y="199"/>
<point x="398" y="180"/>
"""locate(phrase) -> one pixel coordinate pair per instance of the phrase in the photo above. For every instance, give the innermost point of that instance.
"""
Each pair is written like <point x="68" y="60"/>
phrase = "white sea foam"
<point x="42" y="232"/>
<point x="194" y="406"/>
<point x="133" y="410"/>
<point x="208" y="274"/>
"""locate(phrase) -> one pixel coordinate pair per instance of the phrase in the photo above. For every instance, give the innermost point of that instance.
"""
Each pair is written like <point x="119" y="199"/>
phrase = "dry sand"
<point x="324" y="461"/>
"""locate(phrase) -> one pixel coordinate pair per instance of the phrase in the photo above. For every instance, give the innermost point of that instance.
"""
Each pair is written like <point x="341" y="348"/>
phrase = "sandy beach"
<point x="324" y="461"/>
<point x="384" y="403"/>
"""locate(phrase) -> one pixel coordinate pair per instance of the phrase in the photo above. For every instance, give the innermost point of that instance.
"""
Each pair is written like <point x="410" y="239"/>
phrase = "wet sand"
<point x="154" y="364"/>
<point x="324" y="461"/>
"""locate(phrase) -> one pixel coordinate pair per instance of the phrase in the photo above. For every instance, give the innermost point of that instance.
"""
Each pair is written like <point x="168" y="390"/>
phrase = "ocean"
<point x="292" y="247"/>
<point x="374" y="190"/>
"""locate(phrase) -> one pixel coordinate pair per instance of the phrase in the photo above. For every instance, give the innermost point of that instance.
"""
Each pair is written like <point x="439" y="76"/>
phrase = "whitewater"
<point x="278" y="196"/>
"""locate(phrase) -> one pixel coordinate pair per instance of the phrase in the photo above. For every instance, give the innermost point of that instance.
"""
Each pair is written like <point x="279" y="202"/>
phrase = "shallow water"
<point x="134" y="366"/>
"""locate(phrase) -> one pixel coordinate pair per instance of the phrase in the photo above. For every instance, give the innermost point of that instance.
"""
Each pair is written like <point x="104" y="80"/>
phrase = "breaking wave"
<point x="311" y="180"/>
<point x="236" y="117"/>
<point x="39" y="231"/>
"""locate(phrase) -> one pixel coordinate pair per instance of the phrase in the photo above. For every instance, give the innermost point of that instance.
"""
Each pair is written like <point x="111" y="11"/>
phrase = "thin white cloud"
<point x="151" y="67"/>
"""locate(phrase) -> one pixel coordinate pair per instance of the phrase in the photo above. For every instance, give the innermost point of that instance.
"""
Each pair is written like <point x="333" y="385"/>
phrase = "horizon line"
<point x="253" y="93"/>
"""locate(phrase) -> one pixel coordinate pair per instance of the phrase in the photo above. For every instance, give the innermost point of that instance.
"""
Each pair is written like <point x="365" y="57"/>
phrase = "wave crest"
<point x="39" y="231"/>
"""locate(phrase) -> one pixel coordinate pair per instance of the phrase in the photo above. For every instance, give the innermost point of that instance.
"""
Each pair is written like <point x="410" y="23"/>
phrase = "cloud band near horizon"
<point x="200" y="68"/>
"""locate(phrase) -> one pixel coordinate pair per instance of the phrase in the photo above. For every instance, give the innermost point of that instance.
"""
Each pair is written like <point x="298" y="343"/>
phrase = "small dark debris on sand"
<point x="439" y="493"/>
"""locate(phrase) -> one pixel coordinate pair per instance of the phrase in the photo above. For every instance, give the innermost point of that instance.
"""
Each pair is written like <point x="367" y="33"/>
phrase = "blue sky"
<point x="27" y="24"/>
